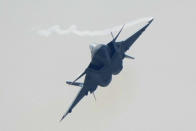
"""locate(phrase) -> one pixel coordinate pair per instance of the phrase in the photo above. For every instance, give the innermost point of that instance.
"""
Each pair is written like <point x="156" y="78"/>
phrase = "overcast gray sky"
<point x="156" y="91"/>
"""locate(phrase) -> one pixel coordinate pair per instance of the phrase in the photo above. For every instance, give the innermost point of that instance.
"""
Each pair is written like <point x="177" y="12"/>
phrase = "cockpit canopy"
<point x="94" y="48"/>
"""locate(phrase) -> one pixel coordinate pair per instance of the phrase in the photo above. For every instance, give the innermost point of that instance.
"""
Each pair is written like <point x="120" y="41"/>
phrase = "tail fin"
<point x="112" y="35"/>
<point x="94" y="96"/>
<point x="79" y="77"/>
<point x="75" y="83"/>
<point x="118" y="34"/>
<point x="130" y="57"/>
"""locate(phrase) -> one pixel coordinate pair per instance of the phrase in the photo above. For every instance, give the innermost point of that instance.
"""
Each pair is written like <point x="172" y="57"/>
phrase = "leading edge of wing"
<point x="83" y="91"/>
<point x="129" y="41"/>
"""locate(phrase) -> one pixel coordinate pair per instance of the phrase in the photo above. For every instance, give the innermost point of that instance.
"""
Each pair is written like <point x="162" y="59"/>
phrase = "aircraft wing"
<point x="83" y="91"/>
<point x="129" y="42"/>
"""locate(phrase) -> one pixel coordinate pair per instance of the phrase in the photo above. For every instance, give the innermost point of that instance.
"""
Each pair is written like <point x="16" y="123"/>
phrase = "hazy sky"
<point x="154" y="92"/>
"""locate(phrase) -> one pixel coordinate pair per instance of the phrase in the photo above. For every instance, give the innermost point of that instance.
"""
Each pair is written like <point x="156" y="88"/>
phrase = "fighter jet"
<point x="106" y="60"/>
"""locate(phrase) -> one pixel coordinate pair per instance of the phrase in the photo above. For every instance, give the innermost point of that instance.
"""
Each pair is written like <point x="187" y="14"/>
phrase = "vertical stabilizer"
<point x="118" y="34"/>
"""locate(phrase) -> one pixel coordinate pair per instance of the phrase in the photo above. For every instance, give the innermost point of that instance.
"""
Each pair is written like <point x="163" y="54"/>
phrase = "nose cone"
<point x="92" y="46"/>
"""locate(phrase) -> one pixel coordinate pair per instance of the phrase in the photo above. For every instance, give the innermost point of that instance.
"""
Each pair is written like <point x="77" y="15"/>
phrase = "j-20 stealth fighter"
<point x="107" y="60"/>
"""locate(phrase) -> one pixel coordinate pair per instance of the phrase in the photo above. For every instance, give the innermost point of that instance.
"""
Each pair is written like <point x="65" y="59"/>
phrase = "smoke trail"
<point x="74" y="30"/>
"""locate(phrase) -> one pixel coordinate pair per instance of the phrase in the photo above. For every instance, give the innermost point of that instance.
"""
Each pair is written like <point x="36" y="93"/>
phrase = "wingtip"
<point x="150" y="21"/>
<point x="63" y="117"/>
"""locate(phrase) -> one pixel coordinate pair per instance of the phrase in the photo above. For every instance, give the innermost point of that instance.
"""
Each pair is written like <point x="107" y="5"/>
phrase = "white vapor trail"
<point x="74" y="30"/>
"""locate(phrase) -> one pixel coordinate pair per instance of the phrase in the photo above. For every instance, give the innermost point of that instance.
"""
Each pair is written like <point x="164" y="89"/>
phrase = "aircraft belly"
<point x="116" y="65"/>
<point x="105" y="79"/>
<point x="102" y="78"/>
<point x="90" y="83"/>
<point x="117" y="70"/>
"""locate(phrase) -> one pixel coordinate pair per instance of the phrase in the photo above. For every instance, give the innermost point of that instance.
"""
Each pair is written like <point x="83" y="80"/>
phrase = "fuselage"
<point x="103" y="66"/>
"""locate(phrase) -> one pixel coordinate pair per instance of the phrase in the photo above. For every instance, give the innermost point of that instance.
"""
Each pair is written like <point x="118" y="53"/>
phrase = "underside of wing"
<point x="83" y="91"/>
<point x="129" y="42"/>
